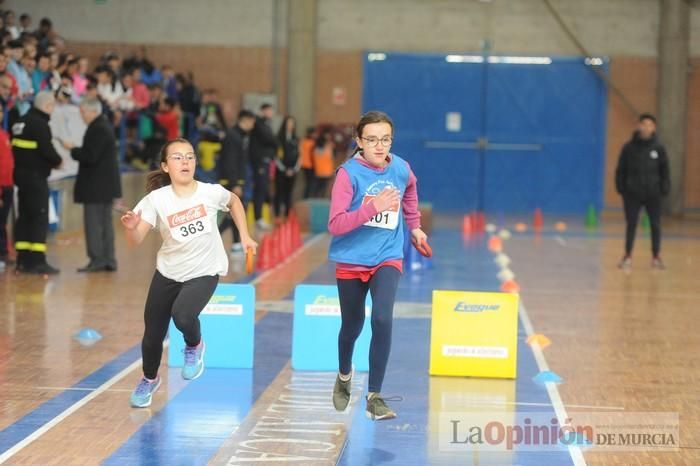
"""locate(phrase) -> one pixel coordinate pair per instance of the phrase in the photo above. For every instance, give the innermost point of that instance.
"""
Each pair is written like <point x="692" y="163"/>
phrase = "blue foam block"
<point x="227" y="323"/>
<point x="315" y="330"/>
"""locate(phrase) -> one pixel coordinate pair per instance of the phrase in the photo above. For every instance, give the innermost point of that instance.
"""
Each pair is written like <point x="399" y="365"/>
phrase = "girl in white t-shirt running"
<point x="189" y="261"/>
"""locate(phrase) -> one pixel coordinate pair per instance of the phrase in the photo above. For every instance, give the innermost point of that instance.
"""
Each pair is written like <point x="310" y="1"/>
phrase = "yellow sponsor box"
<point x="474" y="334"/>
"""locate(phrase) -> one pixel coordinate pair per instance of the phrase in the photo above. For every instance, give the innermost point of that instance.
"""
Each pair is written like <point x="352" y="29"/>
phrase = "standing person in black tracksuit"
<point x="287" y="166"/>
<point x="643" y="179"/>
<point x="97" y="185"/>
<point x="35" y="156"/>
<point x="232" y="167"/>
<point x="263" y="147"/>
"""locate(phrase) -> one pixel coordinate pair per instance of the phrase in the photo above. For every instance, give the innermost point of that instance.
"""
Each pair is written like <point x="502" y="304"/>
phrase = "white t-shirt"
<point x="192" y="246"/>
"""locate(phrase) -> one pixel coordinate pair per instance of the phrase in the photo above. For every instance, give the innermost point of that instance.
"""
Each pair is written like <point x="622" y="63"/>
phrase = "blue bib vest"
<point x="373" y="242"/>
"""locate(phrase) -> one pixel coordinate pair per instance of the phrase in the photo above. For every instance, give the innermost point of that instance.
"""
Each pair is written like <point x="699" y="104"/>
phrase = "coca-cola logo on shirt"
<point x="187" y="216"/>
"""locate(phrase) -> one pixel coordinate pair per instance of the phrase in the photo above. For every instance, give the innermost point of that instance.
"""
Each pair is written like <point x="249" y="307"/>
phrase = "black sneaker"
<point x="377" y="408"/>
<point x="341" y="393"/>
<point x="41" y="269"/>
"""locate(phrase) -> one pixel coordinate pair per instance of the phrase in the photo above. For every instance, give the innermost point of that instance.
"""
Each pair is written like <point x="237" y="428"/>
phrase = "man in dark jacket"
<point x="35" y="156"/>
<point x="263" y="148"/>
<point x="232" y="167"/>
<point x="97" y="185"/>
<point x="642" y="178"/>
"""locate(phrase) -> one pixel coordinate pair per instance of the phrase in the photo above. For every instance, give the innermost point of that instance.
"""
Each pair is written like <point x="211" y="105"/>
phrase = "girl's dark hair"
<point x="373" y="116"/>
<point x="282" y="133"/>
<point x="158" y="178"/>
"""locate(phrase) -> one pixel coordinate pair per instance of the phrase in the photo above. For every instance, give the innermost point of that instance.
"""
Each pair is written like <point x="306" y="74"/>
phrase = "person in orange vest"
<point x="324" y="164"/>
<point x="307" y="160"/>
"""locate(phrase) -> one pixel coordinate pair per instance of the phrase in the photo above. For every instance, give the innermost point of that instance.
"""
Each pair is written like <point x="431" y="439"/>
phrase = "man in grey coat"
<point x="97" y="185"/>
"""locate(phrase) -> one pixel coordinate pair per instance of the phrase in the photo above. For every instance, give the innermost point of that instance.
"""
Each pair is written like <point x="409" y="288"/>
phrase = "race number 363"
<point x="189" y="223"/>
<point x="389" y="219"/>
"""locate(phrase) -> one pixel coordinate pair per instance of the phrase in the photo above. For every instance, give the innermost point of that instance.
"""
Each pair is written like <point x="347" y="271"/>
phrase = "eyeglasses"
<point x="177" y="157"/>
<point x="372" y="142"/>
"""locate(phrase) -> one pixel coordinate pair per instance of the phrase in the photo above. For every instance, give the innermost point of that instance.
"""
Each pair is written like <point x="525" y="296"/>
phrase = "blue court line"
<point x="26" y="425"/>
<point x="195" y="423"/>
<point x="44" y="413"/>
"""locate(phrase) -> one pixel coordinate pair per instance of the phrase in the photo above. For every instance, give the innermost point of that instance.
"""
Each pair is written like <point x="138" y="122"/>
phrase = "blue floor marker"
<point x="547" y="376"/>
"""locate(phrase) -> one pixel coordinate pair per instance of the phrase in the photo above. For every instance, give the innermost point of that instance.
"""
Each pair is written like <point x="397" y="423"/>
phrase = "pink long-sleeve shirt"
<point x="341" y="220"/>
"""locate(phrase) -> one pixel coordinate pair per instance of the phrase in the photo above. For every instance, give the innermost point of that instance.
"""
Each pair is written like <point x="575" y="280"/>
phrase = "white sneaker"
<point x="262" y="224"/>
<point x="2" y="266"/>
<point x="237" y="249"/>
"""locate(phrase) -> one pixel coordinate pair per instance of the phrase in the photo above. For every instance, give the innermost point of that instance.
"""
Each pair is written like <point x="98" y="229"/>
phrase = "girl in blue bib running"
<point x="372" y="191"/>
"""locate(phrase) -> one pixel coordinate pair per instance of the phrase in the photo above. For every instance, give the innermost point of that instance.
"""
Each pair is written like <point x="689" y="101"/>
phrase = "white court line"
<point x="102" y="388"/>
<point x="70" y="410"/>
<point x="552" y="390"/>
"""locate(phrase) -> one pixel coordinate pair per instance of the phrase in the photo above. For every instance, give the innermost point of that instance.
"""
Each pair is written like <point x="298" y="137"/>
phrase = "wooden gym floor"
<point x="622" y="342"/>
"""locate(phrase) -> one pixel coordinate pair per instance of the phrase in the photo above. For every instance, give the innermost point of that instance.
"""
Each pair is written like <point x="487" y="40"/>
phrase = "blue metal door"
<point x="420" y="92"/>
<point x="503" y="134"/>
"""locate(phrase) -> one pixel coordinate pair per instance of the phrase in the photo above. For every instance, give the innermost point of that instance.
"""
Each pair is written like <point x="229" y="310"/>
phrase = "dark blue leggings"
<point x="382" y="287"/>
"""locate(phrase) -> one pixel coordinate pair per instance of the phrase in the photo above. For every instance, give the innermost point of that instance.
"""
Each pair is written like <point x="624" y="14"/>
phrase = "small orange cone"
<point x="540" y="340"/>
<point x="287" y="238"/>
<point x="510" y="286"/>
<point x="264" y="261"/>
<point x="480" y="222"/>
<point x="467" y="224"/>
<point x="296" y="233"/>
<point x="538" y="221"/>
<point x="495" y="244"/>
<point x="275" y="247"/>
<point x="520" y="227"/>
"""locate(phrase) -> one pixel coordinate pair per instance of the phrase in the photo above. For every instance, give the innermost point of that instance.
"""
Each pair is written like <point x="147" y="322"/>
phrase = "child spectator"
<point x="25" y="23"/>
<point x="168" y="117"/>
<point x="169" y="83"/>
<point x="323" y="162"/>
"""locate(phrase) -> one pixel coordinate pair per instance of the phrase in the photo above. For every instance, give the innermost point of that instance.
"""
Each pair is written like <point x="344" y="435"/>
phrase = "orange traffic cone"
<point x="467" y="224"/>
<point x="510" y="286"/>
<point x="275" y="252"/>
<point x="480" y="222"/>
<point x="495" y="244"/>
<point x="537" y="221"/>
<point x="296" y="233"/>
<point x="264" y="261"/>
<point x="287" y="247"/>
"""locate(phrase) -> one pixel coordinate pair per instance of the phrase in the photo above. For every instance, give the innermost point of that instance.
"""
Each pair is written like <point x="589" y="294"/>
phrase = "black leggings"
<point x="382" y="287"/>
<point x="181" y="301"/>
<point x="284" y="185"/>
<point x="653" y="207"/>
<point x="261" y="193"/>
